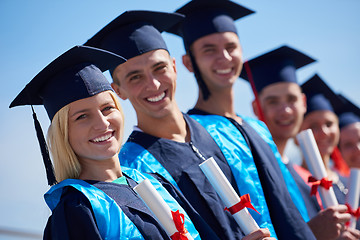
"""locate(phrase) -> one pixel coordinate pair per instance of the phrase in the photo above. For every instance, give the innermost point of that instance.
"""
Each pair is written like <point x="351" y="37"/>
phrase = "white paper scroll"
<point x="316" y="165"/>
<point x="352" y="198"/>
<point x="158" y="206"/>
<point x="228" y="195"/>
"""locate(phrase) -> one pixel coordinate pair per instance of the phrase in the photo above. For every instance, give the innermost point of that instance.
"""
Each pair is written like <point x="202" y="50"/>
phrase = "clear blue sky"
<point x="33" y="33"/>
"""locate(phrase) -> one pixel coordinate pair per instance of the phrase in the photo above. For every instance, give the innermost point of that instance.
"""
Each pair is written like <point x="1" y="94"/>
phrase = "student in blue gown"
<point x="283" y="105"/>
<point x="166" y="141"/>
<point x="94" y="198"/>
<point x="214" y="55"/>
<point x="321" y="118"/>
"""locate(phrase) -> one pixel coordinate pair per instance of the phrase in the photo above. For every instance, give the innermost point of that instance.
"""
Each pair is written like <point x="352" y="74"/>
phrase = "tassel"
<point x="252" y="83"/>
<point x="44" y="151"/>
<point x="339" y="163"/>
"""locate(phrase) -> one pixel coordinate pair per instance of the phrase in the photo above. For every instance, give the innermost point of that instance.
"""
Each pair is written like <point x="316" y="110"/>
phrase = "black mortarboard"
<point x="319" y="95"/>
<point x="74" y="75"/>
<point x="348" y="113"/>
<point x="204" y="17"/>
<point x="278" y="65"/>
<point x="134" y="33"/>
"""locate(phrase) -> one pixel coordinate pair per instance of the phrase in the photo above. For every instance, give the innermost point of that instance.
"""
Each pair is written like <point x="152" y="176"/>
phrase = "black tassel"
<point x="203" y="88"/>
<point x="44" y="151"/>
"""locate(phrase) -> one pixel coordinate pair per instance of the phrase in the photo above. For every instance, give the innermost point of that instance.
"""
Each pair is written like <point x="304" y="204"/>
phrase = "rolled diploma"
<point x="228" y="195"/>
<point x="354" y="192"/>
<point x="158" y="206"/>
<point x="316" y="165"/>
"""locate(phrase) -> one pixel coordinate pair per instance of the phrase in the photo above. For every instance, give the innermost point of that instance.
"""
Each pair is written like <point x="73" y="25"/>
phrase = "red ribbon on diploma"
<point x="324" y="182"/>
<point x="245" y="201"/>
<point x="353" y="212"/>
<point x="179" y="221"/>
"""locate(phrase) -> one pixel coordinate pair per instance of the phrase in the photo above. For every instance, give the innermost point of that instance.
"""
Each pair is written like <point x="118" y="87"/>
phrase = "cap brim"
<point x="298" y="58"/>
<point x="234" y="10"/>
<point x="104" y="60"/>
<point x="160" y="20"/>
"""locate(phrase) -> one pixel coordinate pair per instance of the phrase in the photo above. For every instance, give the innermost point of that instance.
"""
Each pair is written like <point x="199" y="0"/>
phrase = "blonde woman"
<point x="94" y="198"/>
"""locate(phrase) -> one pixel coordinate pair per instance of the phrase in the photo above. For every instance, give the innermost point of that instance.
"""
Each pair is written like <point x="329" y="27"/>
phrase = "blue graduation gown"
<point x="75" y="216"/>
<point x="103" y="210"/>
<point x="311" y="202"/>
<point x="340" y="189"/>
<point x="178" y="162"/>
<point x="287" y="221"/>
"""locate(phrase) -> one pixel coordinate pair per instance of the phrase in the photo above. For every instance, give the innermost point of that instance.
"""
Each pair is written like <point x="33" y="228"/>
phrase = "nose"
<point x="152" y="83"/>
<point x="324" y="130"/>
<point x="100" y="121"/>
<point x="284" y="108"/>
<point x="225" y="55"/>
<point x="357" y="147"/>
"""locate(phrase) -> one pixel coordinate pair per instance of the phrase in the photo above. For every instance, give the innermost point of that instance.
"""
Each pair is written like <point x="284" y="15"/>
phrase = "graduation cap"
<point x="348" y="114"/>
<point x="319" y="96"/>
<point x="74" y="75"/>
<point x="134" y="33"/>
<point x="278" y="65"/>
<point x="204" y="17"/>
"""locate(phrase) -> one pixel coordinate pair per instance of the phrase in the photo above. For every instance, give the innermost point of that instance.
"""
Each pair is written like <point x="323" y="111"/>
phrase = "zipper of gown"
<point x="196" y="151"/>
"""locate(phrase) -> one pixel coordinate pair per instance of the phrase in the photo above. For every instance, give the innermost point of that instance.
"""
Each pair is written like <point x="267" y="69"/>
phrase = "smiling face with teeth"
<point x="95" y="128"/>
<point x="284" y="106"/>
<point x="219" y="59"/>
<point x="149" y="82"/>
<point x="325" y="126"/>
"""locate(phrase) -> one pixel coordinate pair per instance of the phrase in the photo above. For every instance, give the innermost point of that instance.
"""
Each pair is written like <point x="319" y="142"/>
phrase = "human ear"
<point x="255" y="108"/>
<point x="174" y="65"/>
<point x="304" y="102"/>
<point x="187" y="62"/>
<point x="119" y="91"/>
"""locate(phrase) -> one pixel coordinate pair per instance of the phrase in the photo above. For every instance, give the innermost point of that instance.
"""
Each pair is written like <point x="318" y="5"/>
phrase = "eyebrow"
<point x="88" y="109"/>
<point x="207" y="45"/>
<point x="271" y="97"/>
<point x="80" y="111"/>
<point x="140" y="71"/>
<point x="132" y="73"/>
<point x="158" y="63"/>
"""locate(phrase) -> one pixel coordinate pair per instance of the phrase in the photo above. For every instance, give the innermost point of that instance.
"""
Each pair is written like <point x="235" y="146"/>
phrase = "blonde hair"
<point x="66" y="163"/>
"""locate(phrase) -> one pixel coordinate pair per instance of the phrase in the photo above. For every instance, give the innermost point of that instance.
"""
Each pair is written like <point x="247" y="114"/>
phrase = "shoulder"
<point x="259" y="126"/>
<point x="72" y="218"/>
<point x="72" y="198"/>
<point x="254" y="121"/>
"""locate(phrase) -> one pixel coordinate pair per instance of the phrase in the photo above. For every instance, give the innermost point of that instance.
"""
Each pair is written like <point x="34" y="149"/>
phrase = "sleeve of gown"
<point x="72" y="219"/>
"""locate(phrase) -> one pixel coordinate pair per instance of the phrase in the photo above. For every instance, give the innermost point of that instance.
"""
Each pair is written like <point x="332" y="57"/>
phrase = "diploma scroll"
<point x="228" y="195"/>
<point x="316" y="165"/>
<point x="158" y="206"/>
<point x="352" y="198"/>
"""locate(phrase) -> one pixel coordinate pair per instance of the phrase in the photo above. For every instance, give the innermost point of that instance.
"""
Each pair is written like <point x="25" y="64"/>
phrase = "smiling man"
<point x="282" y="104"/>
<point x="166" y="141"/>
<point x="214" y="55"/>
